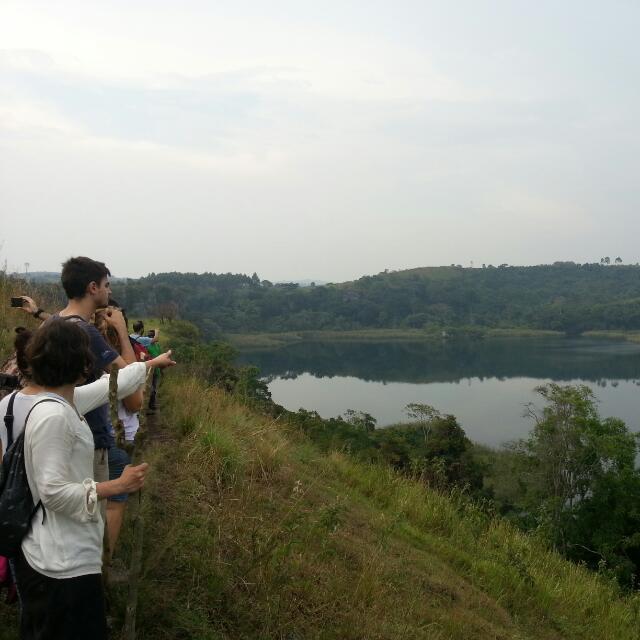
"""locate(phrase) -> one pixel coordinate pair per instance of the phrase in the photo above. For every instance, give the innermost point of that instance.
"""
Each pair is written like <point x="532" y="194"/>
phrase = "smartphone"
<point x="17" y="302"/>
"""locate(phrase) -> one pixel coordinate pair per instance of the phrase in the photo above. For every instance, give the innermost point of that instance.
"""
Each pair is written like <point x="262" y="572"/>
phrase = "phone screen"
<point x="17" y="302"/>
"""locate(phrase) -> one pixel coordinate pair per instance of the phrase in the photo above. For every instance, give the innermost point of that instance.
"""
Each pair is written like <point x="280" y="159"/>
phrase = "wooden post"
<point x="129" y="630"/>
<point x="113" y="406"/>
<point x="141" y="434"/>
<point x="135" y="568"/>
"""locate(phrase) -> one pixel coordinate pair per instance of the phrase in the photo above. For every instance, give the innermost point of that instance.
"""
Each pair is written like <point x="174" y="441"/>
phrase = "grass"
<point x="46" y="296"/>
<point x="253" y="533"/>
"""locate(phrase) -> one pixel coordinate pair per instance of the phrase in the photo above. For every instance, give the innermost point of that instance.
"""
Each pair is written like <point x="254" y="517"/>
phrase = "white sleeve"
<point x="50" y="438"/>
<point x="3" y="430"/>
<point x="93" y="395"/>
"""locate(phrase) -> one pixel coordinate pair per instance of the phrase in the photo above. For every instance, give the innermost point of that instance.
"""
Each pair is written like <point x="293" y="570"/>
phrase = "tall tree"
<point x="570" y="451"/>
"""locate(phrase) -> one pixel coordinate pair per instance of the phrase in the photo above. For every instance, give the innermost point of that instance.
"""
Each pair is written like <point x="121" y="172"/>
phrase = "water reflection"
<point x="485" y="384"/>
<point x="558" y="359"/>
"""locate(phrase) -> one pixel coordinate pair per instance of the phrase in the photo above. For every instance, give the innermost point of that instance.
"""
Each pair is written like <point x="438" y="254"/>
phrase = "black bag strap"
<point x="8" y="419"/>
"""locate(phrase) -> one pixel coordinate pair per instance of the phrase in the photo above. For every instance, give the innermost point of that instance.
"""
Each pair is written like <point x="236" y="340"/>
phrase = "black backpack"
<point x="16" y="502"/>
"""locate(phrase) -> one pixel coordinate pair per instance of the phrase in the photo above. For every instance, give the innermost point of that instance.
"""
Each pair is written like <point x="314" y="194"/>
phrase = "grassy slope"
<point x="253" y="533"/>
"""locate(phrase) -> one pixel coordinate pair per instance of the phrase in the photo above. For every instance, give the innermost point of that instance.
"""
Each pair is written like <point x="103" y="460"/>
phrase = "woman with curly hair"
<point x="58" y="570"/>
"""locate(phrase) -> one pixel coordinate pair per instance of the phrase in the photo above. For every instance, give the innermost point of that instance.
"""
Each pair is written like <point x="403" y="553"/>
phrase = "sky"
<point x="318" y="140"/>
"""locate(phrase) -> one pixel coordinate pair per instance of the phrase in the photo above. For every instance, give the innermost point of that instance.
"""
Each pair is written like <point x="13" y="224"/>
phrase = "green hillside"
<point x="565" y="297"/>
<point x="254" y="533"/>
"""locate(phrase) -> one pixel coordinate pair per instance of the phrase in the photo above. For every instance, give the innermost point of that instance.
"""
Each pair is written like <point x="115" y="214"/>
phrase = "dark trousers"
<point x="52" y="609"/>
<point x="154" y="389"/>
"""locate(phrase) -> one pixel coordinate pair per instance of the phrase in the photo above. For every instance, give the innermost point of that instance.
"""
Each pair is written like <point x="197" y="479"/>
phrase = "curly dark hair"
<point x="20" y="343"/>
<point x="58" y="354"/>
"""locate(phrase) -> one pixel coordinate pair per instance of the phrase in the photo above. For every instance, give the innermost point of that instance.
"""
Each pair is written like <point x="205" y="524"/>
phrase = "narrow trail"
<point x="156" y="434"/>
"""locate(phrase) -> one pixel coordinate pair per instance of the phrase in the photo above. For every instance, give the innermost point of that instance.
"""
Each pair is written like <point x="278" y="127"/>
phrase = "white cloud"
<point x="324" y="141"/>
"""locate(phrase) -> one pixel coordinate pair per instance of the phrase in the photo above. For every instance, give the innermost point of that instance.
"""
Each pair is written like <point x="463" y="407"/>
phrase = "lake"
<point x="484" y="383"/>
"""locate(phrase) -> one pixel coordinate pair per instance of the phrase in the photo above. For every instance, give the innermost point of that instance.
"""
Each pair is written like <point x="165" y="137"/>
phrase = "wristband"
<point x="38" y="313"/>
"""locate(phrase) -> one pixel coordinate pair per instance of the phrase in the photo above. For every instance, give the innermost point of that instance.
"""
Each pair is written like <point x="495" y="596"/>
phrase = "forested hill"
<point x="564" y="296"/>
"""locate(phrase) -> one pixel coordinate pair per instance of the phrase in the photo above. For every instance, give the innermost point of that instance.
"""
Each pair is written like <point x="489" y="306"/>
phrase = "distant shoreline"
<point x="247" y="341"/>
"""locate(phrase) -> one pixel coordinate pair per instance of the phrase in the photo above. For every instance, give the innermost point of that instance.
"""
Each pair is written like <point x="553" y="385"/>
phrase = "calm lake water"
<point x="485" y="384"/>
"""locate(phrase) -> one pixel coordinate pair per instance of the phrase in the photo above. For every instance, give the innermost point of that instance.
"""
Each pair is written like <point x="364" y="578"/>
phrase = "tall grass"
<point x="256" y="534"/>
<point x="47" y="296"/>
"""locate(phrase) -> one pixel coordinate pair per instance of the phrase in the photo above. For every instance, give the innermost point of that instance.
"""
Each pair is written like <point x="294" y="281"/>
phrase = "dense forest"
<point x="564" y="296"/>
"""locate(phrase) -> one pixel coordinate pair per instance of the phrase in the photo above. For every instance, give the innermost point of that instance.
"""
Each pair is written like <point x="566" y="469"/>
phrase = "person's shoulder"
<point x="81" y="322"/>
<point x="47" y="410"/>
<point x="20" y="399"/>
<point x="4" y="404"/>
<point x="49" y="405"/>
<point x="89" y="328"/>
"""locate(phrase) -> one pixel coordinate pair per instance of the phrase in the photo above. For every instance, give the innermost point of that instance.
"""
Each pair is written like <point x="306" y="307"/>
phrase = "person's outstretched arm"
<point x="29" y="306"/>
<point x="130" y="379"/>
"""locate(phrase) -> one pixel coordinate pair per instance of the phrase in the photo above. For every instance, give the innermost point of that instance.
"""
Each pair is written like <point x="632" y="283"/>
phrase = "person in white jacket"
<point x="58" y="570"/>
<point x="85" y="398"/>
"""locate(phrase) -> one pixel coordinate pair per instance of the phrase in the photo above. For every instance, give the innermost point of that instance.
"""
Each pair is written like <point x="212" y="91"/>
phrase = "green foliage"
<point x="251" y="388"/>
<point x="556" y="297"/>
<point x="214" y="363"/>
<point x="433" y="448"/>
<point x="360" y="419"/>
<point x="576" y="482"/>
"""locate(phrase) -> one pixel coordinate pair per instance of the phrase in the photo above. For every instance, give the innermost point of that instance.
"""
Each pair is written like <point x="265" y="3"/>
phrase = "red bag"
<point x="142" y="353"/>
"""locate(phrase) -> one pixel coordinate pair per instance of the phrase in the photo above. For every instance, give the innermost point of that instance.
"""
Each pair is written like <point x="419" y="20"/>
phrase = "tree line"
<point x="565" y="297"/>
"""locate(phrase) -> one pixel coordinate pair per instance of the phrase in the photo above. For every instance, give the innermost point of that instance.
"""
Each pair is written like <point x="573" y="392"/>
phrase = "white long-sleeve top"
<point x="58" y="448"/>
<point x="85" y="398"/>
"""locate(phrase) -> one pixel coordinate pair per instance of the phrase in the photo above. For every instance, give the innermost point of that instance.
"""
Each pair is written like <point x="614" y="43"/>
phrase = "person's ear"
<point x="92" y="287"/>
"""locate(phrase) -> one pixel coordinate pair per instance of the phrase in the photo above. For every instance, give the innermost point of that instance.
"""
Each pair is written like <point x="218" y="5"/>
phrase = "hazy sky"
<point x="318" y="139"/>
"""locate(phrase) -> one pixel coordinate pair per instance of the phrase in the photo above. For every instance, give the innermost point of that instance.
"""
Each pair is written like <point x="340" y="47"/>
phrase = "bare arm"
<point x="29" y="306"/>
<point x="115" y="319"/>
<point x="134" y="401"/>
<point x="131" y="480"/>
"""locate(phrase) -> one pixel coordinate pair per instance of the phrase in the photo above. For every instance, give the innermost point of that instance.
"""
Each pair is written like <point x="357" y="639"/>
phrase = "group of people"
<point x="79" y="479"/>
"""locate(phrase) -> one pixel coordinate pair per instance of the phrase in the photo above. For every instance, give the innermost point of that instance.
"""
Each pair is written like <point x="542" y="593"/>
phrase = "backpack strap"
<point x="34" y="406"/>
<point x="8" y="419"/>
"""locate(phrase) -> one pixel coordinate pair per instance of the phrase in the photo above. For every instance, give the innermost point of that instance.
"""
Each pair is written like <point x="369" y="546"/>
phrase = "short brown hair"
<point x="78" y="273"/>
<point x="58" y="354"/>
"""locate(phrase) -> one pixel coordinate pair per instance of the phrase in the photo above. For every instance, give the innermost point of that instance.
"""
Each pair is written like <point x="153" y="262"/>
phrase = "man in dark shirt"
<point x="86" y="283"/>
